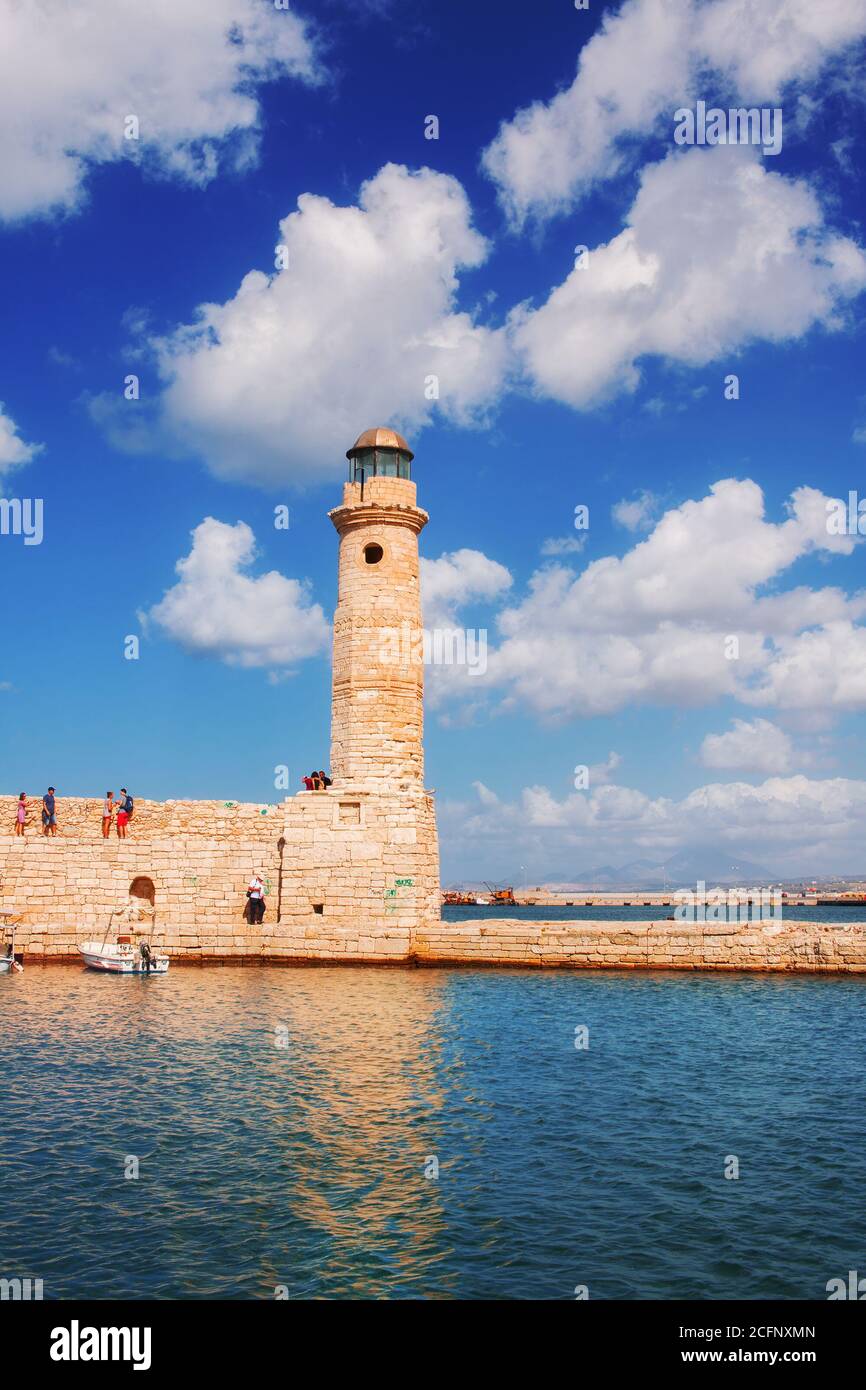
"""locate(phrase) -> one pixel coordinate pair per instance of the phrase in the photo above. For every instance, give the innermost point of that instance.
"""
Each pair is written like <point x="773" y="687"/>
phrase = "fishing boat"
<point x="10" y="964"/>
<point x="122" y="955"/>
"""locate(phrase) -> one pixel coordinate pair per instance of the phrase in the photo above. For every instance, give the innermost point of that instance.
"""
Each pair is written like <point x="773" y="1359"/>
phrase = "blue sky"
<point x="559" y="387"/>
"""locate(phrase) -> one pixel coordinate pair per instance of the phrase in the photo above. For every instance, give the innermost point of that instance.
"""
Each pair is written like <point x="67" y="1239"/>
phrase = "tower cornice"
<point x="356" y="517"/>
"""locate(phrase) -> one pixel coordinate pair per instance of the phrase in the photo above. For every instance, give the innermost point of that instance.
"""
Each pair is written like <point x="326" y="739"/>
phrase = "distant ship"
<point x="497" y="897"/>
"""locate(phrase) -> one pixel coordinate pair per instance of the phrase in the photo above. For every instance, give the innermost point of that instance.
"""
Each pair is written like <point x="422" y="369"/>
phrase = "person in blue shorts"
<point x="49" y="813"/>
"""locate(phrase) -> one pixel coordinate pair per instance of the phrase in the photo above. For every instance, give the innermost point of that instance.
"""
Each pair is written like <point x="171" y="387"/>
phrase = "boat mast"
<point x="108" y="929"/>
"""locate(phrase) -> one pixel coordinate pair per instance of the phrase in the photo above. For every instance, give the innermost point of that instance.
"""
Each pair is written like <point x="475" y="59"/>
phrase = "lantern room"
<point x="379" y="453"/>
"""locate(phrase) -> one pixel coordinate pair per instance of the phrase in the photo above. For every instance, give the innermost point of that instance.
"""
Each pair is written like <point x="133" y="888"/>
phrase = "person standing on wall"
<point x="107" y="808"/>
<point x="49" y="812"/>
<point x="256" y="895"/>
<point x="21" y="814"/>
<point x="124" y="813"/>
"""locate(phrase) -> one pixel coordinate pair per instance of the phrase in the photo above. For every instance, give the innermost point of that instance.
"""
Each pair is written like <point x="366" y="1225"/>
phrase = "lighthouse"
<point x="377" y="710"/>
<point x="359" y="861"/>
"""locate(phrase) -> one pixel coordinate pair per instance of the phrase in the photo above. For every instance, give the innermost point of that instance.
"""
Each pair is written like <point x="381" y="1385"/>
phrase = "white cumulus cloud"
<point x="717" y="252"/>
<point x="646" y="60"/>
<point x="218" y="609"/>
<point x="71" y="75"/>
<point x="363" y="325"/>
<point x="756" y="746"/>
<point x="689" y="615"/>
<point x="456" y="579"/>
<point x="793" y="825"/>
<point x="635" y="513"/>
<point x="822" y="668"/>
<point x="448" y="585"/>
<point x="14" y="451"/>
<point x="271" y="385"/>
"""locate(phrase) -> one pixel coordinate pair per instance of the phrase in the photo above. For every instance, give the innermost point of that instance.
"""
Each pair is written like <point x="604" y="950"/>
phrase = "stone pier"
<point x="665" y="945"/>
<point x="351" y="879"/>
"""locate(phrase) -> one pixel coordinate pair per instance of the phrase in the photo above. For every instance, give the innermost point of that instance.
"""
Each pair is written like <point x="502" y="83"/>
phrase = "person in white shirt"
<point x="256" y="895"/>
<point x="107" y="812"/>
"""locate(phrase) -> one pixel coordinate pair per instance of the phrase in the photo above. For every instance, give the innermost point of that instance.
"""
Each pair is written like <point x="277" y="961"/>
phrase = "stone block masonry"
<point x="348" y="873"/>
<point x="191" y="860"/>
<point x="766" y="946"/>
<point x="377" y="704"/>
<point x="352" y="878"/>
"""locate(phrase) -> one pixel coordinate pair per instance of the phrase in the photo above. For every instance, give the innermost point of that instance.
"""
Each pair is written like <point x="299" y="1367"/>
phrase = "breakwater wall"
<point x="665" y="945"/>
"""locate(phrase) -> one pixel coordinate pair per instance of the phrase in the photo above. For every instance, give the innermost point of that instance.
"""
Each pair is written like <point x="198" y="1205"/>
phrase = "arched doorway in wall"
<point x="142" y="901"/>
<point x="138" y="918"/>
<point x="143" y="889"/>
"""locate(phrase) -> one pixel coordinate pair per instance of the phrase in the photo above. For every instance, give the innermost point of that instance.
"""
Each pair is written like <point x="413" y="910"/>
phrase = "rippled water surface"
<point x="304" y="1165"/>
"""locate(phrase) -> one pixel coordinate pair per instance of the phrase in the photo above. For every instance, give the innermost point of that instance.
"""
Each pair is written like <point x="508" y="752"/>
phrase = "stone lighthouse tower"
<point x="378" y="677"/>
<point x="359" y="866"/>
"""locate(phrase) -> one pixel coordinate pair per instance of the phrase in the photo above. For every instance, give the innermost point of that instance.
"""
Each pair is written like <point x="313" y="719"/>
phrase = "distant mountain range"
<point x="683" y="869"/>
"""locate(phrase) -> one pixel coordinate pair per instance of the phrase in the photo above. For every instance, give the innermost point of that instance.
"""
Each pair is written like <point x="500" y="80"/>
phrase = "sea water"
<point x="370" y="1132"/>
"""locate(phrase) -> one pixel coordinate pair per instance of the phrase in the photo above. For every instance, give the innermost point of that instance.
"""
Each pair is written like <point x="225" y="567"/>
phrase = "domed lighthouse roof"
<point x="380" y="438"/>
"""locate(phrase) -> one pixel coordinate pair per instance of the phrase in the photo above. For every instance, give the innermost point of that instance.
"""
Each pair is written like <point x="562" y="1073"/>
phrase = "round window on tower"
<point x="373" y="553"/>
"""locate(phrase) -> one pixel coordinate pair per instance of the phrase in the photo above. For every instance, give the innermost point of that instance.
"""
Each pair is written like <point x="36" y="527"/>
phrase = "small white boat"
<point x="123" y="956"/>
<point x="9" y="964"/>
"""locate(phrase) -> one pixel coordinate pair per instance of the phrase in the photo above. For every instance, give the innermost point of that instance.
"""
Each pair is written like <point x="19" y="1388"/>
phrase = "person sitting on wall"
<point x="107" y="810"/>
<point x="49" y="812"/>
<point x="256" y="896"/>
<point x="318" y="785"/>
<point x="326" y="781"/>
<point x="308" y="783"/>
<point x="124" y="813"/>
